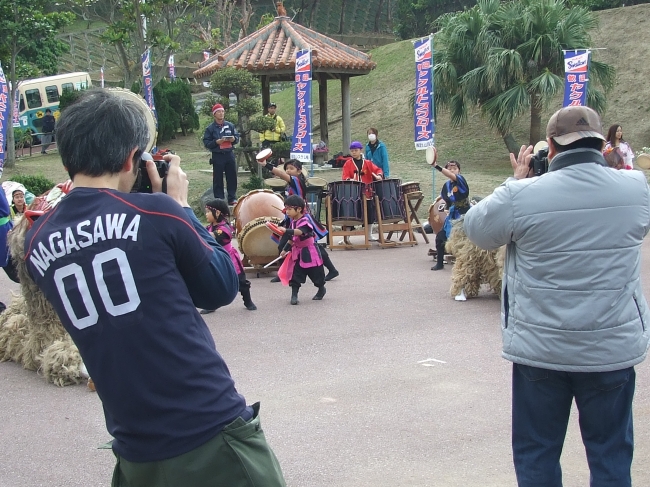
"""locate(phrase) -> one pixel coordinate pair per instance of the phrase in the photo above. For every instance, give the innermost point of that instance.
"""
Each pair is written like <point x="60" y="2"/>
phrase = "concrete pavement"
<point x="387" y="382"/>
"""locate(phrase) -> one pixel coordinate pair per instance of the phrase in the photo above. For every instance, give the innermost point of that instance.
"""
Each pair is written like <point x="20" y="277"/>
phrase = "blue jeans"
<point x="541" y="404"/>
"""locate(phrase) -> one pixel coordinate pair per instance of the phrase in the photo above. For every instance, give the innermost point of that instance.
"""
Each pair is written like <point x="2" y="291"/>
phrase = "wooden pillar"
<point x="346" y="125"/>
<point x="322" y="104"/>
<point x="266" y="93"/>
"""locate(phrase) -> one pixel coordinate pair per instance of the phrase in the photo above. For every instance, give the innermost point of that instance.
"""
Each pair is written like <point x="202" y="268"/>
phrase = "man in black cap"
<point x="270" y="137"/>
<point x="48" y="130"/>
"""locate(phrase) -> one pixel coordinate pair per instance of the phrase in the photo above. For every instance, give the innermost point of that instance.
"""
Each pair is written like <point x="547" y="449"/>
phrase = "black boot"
<point x="327" y="263"/>
<point x="440" y="247"/>
<point x="246" y="295"/>
<point x="275" y="279"/>
<point x="319" y="295"/>
<point x="294" y="295"/>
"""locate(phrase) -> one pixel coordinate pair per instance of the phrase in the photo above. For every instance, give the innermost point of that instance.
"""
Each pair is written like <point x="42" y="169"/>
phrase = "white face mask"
<point x="372" y="137"/>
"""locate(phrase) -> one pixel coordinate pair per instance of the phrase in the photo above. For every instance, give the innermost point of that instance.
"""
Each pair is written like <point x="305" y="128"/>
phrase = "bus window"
<point x="33" y="98"/>
<point x="21" y="108"/>
<point x="52" y="93"/>
<point x="67" y="87"/>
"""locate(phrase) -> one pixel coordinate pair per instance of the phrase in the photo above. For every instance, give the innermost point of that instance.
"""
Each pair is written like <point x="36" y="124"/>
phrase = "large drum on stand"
<point x="346" y="202"/>
<point x="391" y="202"/>
<point x="316" y="189"/>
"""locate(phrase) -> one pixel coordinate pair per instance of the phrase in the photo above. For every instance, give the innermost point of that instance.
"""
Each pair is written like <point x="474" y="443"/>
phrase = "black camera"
<point x="143" y="182"/>
<point x="539" y="162"/>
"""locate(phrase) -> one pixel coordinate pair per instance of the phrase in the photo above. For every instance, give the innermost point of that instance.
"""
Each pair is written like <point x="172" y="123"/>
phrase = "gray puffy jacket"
<point x="571" y="297"/>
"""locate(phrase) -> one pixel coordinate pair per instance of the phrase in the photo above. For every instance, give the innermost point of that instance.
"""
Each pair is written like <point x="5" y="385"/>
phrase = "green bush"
<point x="254" y="182"/>
<point x="180" y="98"/>
<point x="68" y="97"/>
<point x="22" y="137"/>
<point x="37" y="185"/>
<point x="261" y="124"/>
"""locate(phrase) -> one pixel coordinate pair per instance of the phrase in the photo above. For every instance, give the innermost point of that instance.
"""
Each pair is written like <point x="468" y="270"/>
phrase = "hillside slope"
<point x="380" y="99"/>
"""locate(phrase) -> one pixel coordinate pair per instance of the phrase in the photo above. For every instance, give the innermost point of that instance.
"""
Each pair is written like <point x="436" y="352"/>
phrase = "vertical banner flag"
<point x="172" y="68"/>
<point x="576" y="72"/>
<point x="16" y="120"/>
<point x="147" y="81"/>
<point x="101" y="73"/>
<point x="424" y="126"/>
<point x="206" y="55"/>
<point x="301" y="143"/>
<point x="5" y="100"/>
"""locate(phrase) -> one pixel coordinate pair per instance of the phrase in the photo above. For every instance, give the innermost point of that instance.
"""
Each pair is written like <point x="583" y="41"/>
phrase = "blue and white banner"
<point x="16" y="120"/>
<point x="576" y="77"/>
<point x="424" y="125"/>
<point x="172" y="68"/>
<point x="5" y="100"/>
<point x="148" y="82"/>
<point x="301" y="143"/>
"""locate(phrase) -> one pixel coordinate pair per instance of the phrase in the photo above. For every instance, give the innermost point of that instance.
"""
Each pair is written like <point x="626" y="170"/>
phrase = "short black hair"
<point x="48" y="110"/>
<point x="97" y="133"/>
<point x="586" y="143"/>
<point x="218" y="204"/>
<point x="272" y="105"/>
<point x="293" y="162"/>
<point x="295" y="201"/>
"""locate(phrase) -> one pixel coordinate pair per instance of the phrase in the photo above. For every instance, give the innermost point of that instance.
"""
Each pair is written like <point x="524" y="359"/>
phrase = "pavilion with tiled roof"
<point x="270" y="53"/>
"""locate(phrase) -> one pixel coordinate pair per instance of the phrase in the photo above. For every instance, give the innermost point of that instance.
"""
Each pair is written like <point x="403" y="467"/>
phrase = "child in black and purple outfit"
<point x="298" y="241"/>
<point x="217" y="213"/>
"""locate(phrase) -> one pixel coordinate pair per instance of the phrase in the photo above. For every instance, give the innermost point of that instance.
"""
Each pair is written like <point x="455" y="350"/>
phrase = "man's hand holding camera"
<point x="177" y="182"/>
<point x="521" y="164"/>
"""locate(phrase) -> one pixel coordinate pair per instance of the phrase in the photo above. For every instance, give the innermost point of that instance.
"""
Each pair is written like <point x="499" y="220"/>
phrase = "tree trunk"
<point x="535" y="119"/>
<point x="342" y="19"/>
<point x="511" y="144"/>
<point x="378" y="16"/>
<point x="312" y="14"/>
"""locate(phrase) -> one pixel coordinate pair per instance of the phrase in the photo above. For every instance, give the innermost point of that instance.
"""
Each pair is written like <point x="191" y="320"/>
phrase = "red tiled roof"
<point x="272" y="50"/>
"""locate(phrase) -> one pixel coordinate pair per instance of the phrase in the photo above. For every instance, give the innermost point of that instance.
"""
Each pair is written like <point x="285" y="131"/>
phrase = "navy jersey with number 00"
<point x="125" y="273"/>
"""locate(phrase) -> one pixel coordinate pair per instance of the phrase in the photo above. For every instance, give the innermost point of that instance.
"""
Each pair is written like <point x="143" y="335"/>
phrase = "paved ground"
<point x="386" y="382"/>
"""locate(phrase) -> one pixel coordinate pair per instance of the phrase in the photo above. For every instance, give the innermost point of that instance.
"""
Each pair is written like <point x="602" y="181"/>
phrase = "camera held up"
<point x="539" y="161"/>
<point x="143" y="182"/>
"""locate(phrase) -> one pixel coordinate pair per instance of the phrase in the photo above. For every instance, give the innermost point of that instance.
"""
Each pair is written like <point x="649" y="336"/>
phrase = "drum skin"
<point x="275" y="183"/>
<point x="255" y="241"/>
<point x="255" y="204"/>
<point x="410" y="187"/>
<point x="437" y="214"/>
<point x="346" y="202"/>
<point x="151" y="121"/>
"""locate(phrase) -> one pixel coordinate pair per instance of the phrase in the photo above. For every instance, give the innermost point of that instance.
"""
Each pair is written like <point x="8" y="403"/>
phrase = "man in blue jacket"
<point x="574" y="318"/>
<point x="125" y="273"/>
<point x="220" y="137"/>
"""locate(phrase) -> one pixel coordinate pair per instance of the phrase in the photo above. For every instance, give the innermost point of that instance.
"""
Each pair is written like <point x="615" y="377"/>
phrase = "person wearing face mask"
<point x="376" y="151"/>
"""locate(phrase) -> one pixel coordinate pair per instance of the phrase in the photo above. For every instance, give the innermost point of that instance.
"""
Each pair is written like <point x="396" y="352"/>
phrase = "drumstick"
<point x="274" y="261"/>
<point x="279" y="209"/>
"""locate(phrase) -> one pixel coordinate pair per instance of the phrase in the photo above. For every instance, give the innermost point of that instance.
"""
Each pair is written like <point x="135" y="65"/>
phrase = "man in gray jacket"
<point x="574" y="318"/>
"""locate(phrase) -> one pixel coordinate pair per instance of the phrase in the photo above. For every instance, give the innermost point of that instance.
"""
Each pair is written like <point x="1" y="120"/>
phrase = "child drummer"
<point x="217" y="213"/>
<point x="304" y="256"/>
<point x="297" y="185"/>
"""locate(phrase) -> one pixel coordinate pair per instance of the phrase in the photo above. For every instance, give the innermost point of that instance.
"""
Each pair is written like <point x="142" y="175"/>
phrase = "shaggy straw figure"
<point x="473" y="266"/>
<point x="31" y="333"/>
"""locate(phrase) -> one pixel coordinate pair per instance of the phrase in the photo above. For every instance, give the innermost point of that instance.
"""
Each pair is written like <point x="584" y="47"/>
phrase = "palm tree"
<point x="507" y="59"/>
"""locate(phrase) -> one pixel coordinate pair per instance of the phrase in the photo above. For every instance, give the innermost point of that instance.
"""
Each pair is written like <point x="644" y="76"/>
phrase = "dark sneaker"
<point x="275" y="279"/>
<point x="331" y="275"/>
<point x="232" y="202"/>
<point x="437" y="267"/>
<point x="320" y="294"/>
<point x="250" y="307"/>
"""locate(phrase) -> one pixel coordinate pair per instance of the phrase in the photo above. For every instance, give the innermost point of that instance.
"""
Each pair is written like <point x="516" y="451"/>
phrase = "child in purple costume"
<point x="298" y="241"/>
<point x="297" y="185"/>
<point x="217" y="213"/>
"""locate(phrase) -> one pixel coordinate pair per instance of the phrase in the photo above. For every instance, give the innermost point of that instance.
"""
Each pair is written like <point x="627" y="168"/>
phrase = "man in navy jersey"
<point x="125" y="273"/>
